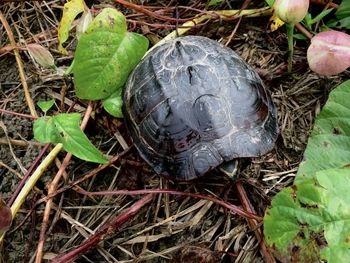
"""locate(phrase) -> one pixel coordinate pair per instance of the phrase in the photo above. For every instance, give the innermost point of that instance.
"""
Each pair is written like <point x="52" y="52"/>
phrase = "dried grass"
<point x="170" y="222"/>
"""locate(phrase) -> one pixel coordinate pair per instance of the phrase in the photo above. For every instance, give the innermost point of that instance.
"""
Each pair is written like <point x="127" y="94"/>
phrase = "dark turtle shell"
<point x="192" y="104"/>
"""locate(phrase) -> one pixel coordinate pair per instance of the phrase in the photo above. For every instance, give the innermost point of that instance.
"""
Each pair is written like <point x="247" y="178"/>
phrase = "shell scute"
<point x="192" y="104"/>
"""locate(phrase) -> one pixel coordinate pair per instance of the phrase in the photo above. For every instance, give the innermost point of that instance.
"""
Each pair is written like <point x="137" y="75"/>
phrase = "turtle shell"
<point x="192" y="104"/>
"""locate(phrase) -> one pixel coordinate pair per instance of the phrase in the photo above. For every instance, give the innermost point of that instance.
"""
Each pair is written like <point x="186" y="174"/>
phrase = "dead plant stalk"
<point x="20" y="66"/>
<point x="105" y="230"/>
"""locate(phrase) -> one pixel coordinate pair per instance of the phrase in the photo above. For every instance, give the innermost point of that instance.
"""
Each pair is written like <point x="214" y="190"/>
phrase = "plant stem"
<point x="52" y="188"/>
<point x="220" y="14"/>
<point x="290" y="31"/>
<point x="27" y="174"/>
<point x="32" y="181"/>
<point x="254" y="225"/>
<point x="105" y="231"/>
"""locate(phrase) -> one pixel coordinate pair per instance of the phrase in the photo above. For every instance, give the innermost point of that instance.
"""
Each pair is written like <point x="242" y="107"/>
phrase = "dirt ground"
<point x="169" y="222"/>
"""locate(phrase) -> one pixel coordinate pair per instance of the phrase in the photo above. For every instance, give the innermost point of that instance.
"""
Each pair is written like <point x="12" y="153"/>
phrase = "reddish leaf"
<point x="5" y="217"/>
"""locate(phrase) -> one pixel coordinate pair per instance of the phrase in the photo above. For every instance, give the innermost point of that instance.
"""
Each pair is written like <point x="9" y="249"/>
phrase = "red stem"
<point x="106" y="230"/>
<point x="147" y="12"/>
<point x="253" y="224"/>
<point x="18" y="114"/>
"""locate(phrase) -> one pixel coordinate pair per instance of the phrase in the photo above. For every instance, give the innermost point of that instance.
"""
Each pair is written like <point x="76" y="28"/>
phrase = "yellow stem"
<point x="221" y="14"/>
<point x="30" y="183"/>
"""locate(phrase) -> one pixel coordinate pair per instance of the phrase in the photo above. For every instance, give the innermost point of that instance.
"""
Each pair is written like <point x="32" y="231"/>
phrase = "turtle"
<point x="192" y="105"/>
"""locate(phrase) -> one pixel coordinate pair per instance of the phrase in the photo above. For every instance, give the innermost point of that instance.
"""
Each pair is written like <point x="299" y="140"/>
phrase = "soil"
<point x="162" y="228"/>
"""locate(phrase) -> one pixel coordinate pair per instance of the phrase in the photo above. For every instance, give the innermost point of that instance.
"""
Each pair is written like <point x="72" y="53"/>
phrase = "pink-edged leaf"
<point x="5" y="217"/>
<point x="329" y="53"/>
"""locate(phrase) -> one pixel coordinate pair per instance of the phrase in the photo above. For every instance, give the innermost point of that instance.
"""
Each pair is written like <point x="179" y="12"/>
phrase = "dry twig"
<point x="254" y="224"/>
<point x="20" y="66"/>
<point x="106" y="230"/>
<point x="231" y="207"/>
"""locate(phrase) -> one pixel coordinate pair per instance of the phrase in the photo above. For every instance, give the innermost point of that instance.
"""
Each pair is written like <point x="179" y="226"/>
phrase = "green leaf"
<point x="308" y="18"/>
<point x="300" y="36"/>
<point x="340" y="23"/>
<point x="270" y="2"/>
<point x="329" y="144"/>
<point x="70" y="10"/>
<point x="214" y="2"/>
<point x="310" y="220"/>
<point x="321" y="15"/>
<point x="105" y="56"/>
<point x="45" y="105"/>
<point x="343" y="10"/>
<point x="64" y="128"/>
<point x="113" y="105"/>
<point x="342" y="15"/>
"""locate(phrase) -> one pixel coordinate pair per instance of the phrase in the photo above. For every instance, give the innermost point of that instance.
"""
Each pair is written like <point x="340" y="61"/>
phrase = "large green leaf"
<point x="329" y="144"/>
<point x="64" y="128"/>
<point x="311" y="219"/>
<point x="105" y="56"/>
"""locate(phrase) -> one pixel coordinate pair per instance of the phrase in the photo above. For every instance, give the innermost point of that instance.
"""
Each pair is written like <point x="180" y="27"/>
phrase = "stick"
<point x="106" y="230"/>
<point x="20" y="66"/>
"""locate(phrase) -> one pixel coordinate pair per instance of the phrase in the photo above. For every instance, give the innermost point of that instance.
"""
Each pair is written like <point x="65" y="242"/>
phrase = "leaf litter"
<point x="169" y="222"/>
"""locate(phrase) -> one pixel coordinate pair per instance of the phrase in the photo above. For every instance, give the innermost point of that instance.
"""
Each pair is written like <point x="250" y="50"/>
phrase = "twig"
<point x="11" y="170"/>
<point x="9" y="48"/>
<point x="324" y="8"/>
<point x="27" y="174"/>
<point x="303" y="30"/>
<point x="141" y="9"/>
<point x="233" y="208"/>
<point x="18" y="114"/>
<point x="222" y="14"/>
<point x="52" y="188"/>
<point x="324" y="2"/>
<point x="244" y="6"/>
<point x="253" y="224"/>
<point x="32" y="181"/>
<point x="28" y="247"/>
<point x="20" y="143"/>
<point x="106" y="230"/>
<point x="19" y="163"/>
<point x="89" y="175"/>
<point x="20" y="66"/>
<point x="233" y="32"/>
<point x="155" y="25"/>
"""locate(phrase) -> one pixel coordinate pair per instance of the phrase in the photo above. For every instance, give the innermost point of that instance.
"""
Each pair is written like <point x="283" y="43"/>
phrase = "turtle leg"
<point x="230" y="168"/>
